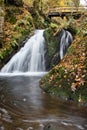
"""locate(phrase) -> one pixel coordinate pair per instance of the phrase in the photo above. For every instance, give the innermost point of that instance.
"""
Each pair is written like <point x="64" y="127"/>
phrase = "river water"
<point x="25" y="106"/>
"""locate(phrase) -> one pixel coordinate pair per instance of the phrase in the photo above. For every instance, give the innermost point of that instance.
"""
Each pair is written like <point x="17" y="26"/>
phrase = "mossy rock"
<point x="58" y="83"/>
<point x="51" y="47"/>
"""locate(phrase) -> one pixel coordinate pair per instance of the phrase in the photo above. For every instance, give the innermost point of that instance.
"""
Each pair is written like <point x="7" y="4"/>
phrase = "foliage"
<point x="68" y="80"/>
<point x="18" y="24"/>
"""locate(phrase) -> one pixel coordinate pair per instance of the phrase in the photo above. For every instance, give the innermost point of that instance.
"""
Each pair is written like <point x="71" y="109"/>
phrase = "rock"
<point x="56" y="59"/>
<point x="56" y="46"/>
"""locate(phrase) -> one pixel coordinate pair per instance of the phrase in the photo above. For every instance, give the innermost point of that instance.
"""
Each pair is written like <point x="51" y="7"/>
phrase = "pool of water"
<point x="25" y="106"/>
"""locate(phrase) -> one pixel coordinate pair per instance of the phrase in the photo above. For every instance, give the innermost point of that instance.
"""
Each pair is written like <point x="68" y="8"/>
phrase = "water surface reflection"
<point x="24" y="106"/>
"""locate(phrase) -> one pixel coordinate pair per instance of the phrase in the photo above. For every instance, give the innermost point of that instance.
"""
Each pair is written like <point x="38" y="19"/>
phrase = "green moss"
<point x="1" y="55"/>
<point x="75" y="60"/>
<point x="14" y="44"/>
<point x="51" y="42"/>
<point x="4" y="54"/>
<point x="25" y="32"/>
<point x="59" y="85"/>
<point x="82" y="90"/>
<point x="1" y="2"/>
<point x="11" y="15"/>
<point x="13" y="19"/>
<point x="62" y="79"/>
<point x="70" y="50"/>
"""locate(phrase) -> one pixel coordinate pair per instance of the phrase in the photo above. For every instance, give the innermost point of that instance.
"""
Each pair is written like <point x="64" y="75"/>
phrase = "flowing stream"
<point x="24" y="105"/>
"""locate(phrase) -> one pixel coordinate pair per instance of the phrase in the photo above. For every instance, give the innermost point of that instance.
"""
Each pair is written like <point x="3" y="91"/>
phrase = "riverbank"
<point x="68" y="79"/>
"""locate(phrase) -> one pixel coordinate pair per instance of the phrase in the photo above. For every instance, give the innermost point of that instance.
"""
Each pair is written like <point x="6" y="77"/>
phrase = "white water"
<point x="65" y="42"/>
<point x="30" y="58"/>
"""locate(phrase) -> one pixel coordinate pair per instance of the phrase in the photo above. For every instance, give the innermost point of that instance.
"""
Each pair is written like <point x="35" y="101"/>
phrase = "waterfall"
<point x="66" y="40"/>
<point x="30" y="58"/>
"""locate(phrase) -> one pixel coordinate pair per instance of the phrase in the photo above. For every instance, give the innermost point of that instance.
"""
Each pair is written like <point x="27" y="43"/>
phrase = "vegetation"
<point x="17" y="26"/>
<point x="68" y="79"/>
<point x="19" y="23"/>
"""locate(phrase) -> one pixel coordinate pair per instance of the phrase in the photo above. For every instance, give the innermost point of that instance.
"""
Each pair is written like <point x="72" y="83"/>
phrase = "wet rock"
<point x="56" y="46"/>
<point x="47" y="127"/>
<point x="51" y="127"/>
<point x="56" y="59"/>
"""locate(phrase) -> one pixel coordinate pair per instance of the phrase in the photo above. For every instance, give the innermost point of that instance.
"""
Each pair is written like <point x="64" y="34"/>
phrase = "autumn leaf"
<point x="73" y="87"/>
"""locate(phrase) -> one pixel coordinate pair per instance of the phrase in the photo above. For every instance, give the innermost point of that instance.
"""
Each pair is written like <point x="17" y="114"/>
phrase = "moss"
<point x="5" y="53"/>
<point x="72" y="69"/>
<point x="18" y="25"/>
<point x="10" y="15"/>
<point x="51" y="42"/>
<point x="75" y="61"/>
<point x="70" y="50"/>
<point x="58" y="82"/>
<point x="1" y="2"/>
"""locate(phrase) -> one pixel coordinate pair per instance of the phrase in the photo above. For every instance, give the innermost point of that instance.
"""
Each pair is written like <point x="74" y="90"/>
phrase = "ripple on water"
<point x="5" y="115"/>
<point x="24" y="106"/>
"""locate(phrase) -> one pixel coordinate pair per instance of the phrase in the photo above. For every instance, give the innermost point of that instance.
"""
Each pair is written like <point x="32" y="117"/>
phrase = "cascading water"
<point x="30" y="58"/>
<point x="65" y="42"/>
